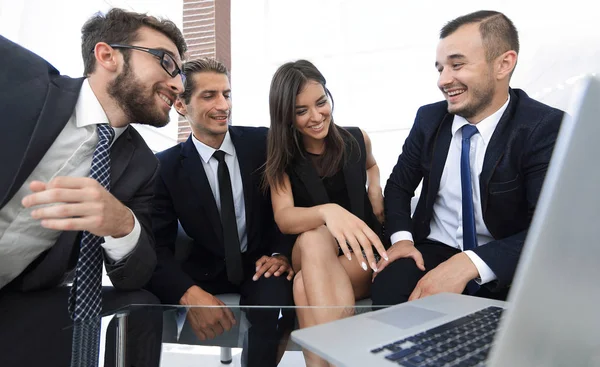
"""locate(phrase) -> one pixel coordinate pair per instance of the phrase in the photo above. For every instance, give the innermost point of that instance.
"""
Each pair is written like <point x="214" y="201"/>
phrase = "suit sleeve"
<point x="134" y="271"/>
<point x="169" y="282"/>
<point x="502" y="255"/>
<point x="405" y="177"/>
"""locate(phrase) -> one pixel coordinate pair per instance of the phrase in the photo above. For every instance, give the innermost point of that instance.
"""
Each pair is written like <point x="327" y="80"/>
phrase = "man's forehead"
<point x="151" y="38"/>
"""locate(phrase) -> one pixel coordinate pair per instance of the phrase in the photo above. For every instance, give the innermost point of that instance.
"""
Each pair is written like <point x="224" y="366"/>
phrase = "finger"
<point x="50" y="196"/>
<point x="290" y="273"/>
<point x="65" y="182"/>
<point x="376" y="241"/>
<point x="229" y="315"/>
<point x="272" y="270"/>
<point x="280" y="269"/>
<point x="356" y="248"/>
<point x="71" y="224"/>
<point x="64" y="211"/>
<point x="194" y="319"/>
<point x="209" y="332"/>
<point x="416" y="293"/>
<point x="225" y="320"/>
<point x="261" y="261"/>
<point x="37" y="186"/>
<point x="200" y="334"/>
<point x="341" y="240"/>
<point x="367" y="247"/>
<point x="418" y="257"/>
<point x="260" y="271"/>
<point x="217" y="328"/>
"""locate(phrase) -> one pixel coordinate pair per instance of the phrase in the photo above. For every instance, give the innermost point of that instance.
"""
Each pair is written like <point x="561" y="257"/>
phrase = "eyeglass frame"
<point x="159" y="54"/>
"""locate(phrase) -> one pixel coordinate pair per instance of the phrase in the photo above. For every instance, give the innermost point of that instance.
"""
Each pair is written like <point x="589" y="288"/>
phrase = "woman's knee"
<point x="316" y="242"/>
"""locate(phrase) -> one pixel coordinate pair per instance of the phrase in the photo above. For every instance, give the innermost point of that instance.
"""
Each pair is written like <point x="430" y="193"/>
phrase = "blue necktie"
<point x="468" y="212"/>
<point x="85" y="302"/>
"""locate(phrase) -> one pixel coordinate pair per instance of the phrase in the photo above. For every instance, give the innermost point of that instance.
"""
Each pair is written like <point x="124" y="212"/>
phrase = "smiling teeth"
<point x="167" y="100"/>
<point x="317" y="127"/>
<point x="455" y="92"/>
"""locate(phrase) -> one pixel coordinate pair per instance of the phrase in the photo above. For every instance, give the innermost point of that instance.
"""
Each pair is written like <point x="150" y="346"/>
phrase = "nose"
<point x="315" y="115"/>
<point x="176" y="84"/>
<point x="445" y="78"/>
<point x="222" y="103"/>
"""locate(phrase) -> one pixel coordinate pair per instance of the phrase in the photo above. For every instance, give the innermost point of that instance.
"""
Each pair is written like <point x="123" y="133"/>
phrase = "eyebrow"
<point x="213" y="91"/>
<point x="452" y="57"/>
<point x="320" y="98"/>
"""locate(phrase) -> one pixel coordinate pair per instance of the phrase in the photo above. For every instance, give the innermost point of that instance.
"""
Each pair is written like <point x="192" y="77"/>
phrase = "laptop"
<point x="552" y="317"/>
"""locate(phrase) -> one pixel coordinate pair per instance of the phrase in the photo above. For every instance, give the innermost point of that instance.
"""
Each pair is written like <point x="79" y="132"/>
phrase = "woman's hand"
<point x="351" y="232"/>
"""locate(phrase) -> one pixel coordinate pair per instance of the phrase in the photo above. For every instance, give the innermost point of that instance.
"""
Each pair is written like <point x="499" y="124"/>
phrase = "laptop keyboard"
<point x="462" y="342"/>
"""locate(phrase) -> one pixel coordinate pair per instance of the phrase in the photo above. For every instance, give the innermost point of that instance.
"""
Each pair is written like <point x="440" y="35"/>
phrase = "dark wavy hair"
<point x="284" y="141"/>
<point x="120" y="26"/>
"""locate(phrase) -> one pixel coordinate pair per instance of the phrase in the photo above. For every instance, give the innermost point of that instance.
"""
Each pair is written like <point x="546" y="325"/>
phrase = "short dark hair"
<point x="201" y="65"/>
<point x="120" y="26"/>
<point x="498" y="33"/>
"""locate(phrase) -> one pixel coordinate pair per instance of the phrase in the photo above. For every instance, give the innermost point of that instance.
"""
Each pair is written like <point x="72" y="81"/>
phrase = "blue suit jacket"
<point x="513" y="171"/>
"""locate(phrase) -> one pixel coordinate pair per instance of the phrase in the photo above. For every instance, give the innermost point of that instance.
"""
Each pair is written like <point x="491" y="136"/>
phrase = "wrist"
<point x="126" y="224"/>
<point x="469" y="270"/>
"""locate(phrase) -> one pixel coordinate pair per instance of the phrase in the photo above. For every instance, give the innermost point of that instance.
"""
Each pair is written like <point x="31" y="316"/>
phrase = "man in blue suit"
<point x="482" y="155"/>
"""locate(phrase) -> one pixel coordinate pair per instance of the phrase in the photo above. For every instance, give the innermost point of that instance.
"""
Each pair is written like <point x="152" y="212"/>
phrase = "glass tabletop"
<point x="212" y="335"/>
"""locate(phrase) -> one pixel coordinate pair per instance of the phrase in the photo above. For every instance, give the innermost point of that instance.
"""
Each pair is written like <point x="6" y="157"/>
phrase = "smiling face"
<point x="143" y="89"/>
<point x="466" y="77"/>
<point x="209" y="107"/>
<point x="313" y="114"/>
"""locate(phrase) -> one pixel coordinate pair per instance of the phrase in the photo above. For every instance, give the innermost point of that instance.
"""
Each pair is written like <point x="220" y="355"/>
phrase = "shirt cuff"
<point x="401" y="236"/>
<point x="486" y="274"/>
<point x="117" y="248"/>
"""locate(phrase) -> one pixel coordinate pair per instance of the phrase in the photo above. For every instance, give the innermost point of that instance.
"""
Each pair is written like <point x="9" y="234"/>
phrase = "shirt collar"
<point x="486" y="126"/>
<point x="89" y="111"/>
<point x="207" y="152"/>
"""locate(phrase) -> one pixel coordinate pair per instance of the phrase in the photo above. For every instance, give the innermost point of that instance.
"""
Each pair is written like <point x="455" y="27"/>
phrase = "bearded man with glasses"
<point x="75" y="189"/>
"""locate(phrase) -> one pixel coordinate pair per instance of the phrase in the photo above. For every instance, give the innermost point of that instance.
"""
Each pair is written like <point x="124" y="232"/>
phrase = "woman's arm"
<point x="373" y="183"/>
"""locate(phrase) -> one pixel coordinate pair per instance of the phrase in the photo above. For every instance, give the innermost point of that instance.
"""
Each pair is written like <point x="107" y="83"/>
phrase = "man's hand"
<point x="207" y="322"/>
<point x="400" y="250"/>
<point x="79" y="204"/>
<point x="273" y="265"/>
<point x="450" y="276"/>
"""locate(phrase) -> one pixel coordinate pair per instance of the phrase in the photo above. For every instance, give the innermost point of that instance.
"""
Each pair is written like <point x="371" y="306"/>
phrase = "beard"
<point x="138" y="103"/>
<point x="481" y="98"/>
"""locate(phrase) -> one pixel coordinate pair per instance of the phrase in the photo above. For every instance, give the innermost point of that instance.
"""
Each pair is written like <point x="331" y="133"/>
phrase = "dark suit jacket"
<point x="36" y="103"/>
<point x="182" y="193"/>
<point x="514" y="168"/>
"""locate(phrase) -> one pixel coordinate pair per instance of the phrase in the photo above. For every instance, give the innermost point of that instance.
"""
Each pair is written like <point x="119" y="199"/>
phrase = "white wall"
<point x="52" y="29"/>
<point x="378" y="56"/>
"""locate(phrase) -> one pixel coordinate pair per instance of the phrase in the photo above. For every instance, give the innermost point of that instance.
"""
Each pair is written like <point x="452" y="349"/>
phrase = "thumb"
<point x="418" y="257"/>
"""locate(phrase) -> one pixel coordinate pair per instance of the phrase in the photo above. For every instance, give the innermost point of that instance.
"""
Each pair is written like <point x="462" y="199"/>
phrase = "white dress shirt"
<point x="446" y="224"/>
<point x="22" y="238"/>
<point x="211" y="166"/>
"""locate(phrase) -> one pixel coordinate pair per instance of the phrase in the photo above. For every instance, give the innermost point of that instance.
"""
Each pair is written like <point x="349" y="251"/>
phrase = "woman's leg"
<point x="323" y="279"/>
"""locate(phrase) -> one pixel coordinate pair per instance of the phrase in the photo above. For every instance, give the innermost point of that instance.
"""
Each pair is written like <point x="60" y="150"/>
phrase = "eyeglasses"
<point x="166" y="61"/>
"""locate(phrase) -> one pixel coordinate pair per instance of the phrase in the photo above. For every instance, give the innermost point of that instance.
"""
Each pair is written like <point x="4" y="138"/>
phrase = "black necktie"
<point x="233" y="256"/>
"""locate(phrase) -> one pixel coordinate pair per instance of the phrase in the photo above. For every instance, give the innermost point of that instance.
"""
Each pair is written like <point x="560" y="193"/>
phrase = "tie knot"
<point x="468" y="131"/>
<point x="105" y="133"/>
<point x="219" y="155"/>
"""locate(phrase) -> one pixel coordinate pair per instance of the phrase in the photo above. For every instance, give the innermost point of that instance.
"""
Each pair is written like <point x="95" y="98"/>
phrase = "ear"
<point x="505" y="64"/>
<point x="180" y="107"/>
<point x="106" y="57"/>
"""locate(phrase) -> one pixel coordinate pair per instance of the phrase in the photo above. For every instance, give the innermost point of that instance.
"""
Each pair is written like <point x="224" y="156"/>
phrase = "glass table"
<point x="185" y="326"/>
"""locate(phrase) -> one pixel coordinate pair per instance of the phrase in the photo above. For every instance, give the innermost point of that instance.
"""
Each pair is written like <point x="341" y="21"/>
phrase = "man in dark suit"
<point x="211" y="185"/>
<point x="482" y="154"/>
<point x="50" y="140"/>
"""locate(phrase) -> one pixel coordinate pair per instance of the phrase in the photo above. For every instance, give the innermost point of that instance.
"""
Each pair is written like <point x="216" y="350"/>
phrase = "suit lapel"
<point x="496" y="147"/>
<point x="58" y="108"/>
<point x="307" y="173"/>
<point x="193" y="168"/>
<point x="438" y="160"/>
<point x="120" y="155"/>
<point x="245" y="156"/>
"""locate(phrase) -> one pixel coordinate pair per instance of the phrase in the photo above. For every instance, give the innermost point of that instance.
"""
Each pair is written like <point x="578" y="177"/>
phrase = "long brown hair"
<point x="284" y="141"/>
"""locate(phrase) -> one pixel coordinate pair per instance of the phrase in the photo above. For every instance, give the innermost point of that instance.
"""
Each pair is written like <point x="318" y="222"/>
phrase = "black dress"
<point x="347" y="187"/>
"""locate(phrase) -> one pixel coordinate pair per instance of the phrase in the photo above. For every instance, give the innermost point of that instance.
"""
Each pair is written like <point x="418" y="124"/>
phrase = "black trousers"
<point x="35" y="328"/>
<point x="397" y="281"/>
<point x="266" y="325"/>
